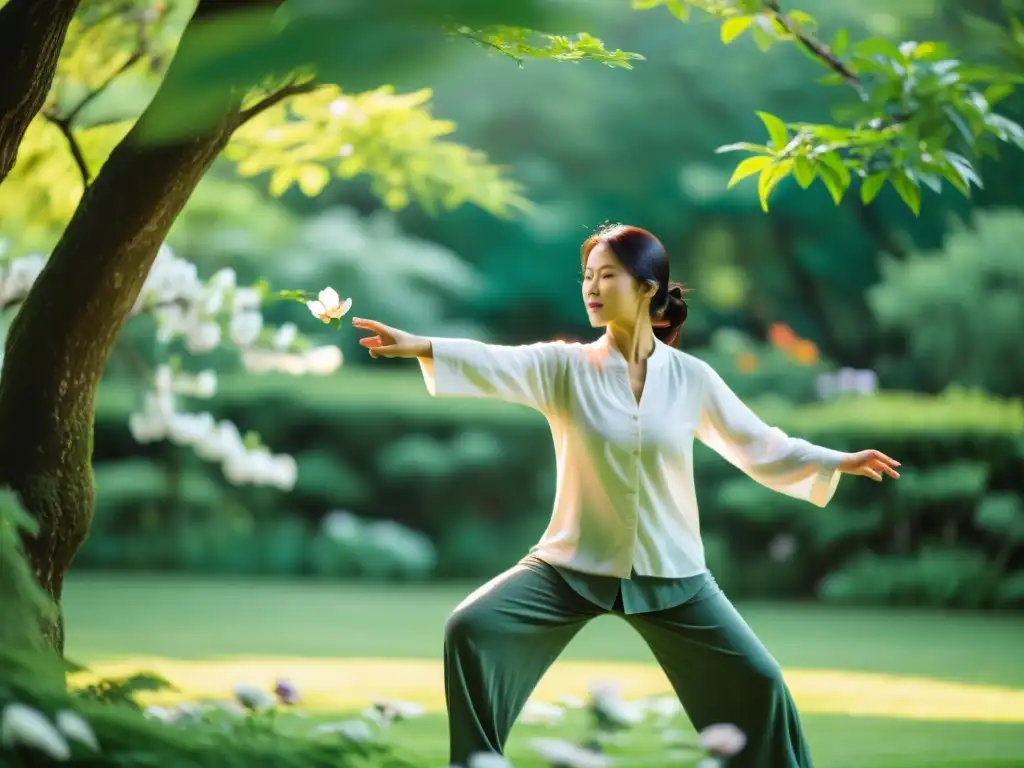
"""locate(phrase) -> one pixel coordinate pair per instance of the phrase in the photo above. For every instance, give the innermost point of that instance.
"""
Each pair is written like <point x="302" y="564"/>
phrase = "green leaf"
<point x="962" y="128"/>
<point x="678" y="8"/>
<point x="834" y="162"/>
<point x="281" y="179"/>
<point x="833" y="182"/>
<point x="962" y="167"/>
<point x="745" y="146"/>
<point x="762" y="38"/>
<point x="735" y="26"/>
<point x="879" y="46"/>
<point x="1006" y="129"/>
<point x="804" y="172"/>
<point x="802" y="18"/>
<point x="871" y="186"/>
<point x="313" y="178"/>
<point x="997" y="92"/>
<point x="769" y="179"/>
<point x="777" y="130"/>
<point x="840" y="42"/>
<point x="907" y="188"/>
<point x="748" y="167"/>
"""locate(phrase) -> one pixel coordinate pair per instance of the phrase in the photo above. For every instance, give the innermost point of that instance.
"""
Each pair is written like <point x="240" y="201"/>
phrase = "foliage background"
<point x="932" y="306"/>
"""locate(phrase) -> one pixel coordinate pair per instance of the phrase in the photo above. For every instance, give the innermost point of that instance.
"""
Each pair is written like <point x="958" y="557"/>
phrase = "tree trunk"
<point x="59" y="342"/>
<point x="31" y="37"/>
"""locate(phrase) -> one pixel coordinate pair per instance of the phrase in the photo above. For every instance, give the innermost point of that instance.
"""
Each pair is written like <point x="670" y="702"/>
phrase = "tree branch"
<point x="64" y="124"/>
<point x="134" y="58"/>
<point x="276" y="97"/>
<point x="816" y="48"/>
<point x="31" y="37"/>
<point x="60" y="341"/>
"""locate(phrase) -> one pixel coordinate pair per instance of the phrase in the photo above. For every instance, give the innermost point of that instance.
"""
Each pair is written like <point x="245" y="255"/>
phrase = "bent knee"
<point x="466" y="623"/>
<point x="764" y="674"/>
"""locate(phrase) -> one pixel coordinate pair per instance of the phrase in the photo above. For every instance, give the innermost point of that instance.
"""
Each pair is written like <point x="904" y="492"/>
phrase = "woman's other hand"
<point x="873" y="464"/>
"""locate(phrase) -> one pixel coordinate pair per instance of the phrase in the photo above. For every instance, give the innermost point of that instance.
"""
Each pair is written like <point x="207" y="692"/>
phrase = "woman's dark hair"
<point x="646" y="259"/>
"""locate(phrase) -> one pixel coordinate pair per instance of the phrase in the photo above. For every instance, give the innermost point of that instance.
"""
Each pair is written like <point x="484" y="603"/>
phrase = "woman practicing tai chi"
<point x="624" y="535"/>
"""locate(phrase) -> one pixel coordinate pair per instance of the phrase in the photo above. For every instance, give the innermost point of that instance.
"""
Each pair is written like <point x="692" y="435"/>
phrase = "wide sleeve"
<point x="785" y="464"/>
<point x="528" y="374"/>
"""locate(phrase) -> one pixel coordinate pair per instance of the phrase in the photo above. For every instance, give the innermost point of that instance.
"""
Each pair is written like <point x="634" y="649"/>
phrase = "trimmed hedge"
<point x="477" y="476"/>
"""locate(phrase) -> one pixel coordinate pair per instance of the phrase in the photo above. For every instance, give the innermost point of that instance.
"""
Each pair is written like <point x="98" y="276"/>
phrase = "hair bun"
<point x="673" y="315"/>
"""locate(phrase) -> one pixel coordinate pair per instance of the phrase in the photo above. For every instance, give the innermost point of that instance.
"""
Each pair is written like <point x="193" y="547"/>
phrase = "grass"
<point x="876" y="689"/>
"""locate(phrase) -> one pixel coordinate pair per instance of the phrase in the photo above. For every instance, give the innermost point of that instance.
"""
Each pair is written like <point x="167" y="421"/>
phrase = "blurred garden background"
<point x="270" y="502"/>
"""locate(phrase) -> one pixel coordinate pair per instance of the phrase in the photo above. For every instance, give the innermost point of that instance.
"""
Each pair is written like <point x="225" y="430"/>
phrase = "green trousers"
<point x="501" y="640"/>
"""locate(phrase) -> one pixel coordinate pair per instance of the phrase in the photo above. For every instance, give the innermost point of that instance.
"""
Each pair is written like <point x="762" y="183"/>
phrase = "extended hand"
<point x="871" y="464"/>
<point x="390" y="342"/>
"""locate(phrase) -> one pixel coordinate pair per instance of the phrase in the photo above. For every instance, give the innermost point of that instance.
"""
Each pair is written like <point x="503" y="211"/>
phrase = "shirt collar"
<point x="613" y="355"/>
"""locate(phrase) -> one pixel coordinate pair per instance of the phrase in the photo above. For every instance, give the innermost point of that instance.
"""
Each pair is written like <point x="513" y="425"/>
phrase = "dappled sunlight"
<point x="352" y="683"/>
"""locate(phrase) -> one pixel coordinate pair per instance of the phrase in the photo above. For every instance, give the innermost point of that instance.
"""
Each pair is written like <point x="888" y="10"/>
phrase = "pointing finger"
<point x="370" y="325"/>
<point x="891" y="472"/>
<point x="882" y="457"/>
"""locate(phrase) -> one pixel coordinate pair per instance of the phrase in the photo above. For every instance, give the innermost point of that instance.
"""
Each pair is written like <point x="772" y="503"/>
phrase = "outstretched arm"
<point x="527" y="374"/>
<point x="785" y="464"/>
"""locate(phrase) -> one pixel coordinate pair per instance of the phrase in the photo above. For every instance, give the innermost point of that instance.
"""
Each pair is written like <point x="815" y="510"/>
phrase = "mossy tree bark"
<point x="31" y="37"/>
<point x="59" y="342"/>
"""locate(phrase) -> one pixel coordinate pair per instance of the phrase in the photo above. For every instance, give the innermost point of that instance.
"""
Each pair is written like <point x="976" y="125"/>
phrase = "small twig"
<point x="275" y="97"/>
<point x="135" y="57"/>
<point x="66" y="123"/>
<point x="816" y="48"/>
<point x="488" y="44"/>
<point x="76" y="151"/>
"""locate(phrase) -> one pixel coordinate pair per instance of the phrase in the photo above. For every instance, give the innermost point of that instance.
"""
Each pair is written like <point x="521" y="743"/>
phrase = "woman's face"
<point x="610" y="294"/>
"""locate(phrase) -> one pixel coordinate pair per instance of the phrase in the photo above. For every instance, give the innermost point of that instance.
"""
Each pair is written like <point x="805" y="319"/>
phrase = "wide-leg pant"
<point x="501" y="640"/>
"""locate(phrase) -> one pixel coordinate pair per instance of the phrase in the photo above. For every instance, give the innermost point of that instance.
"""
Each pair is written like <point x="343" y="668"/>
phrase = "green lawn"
<point x="877" y="689"/>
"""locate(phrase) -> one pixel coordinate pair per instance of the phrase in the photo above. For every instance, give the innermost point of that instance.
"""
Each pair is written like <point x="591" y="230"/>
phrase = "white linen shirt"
<point x="625" y="501"/>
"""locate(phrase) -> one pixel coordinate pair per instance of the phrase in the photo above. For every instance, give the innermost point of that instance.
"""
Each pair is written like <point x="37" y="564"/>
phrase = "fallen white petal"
<point x="22" y="725"/>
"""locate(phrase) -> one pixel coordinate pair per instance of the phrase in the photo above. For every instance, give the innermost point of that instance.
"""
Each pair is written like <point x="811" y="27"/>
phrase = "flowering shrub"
<point x="44" y="722"/>
<point x="198" y="317"/>
<point x="258" y="724"/>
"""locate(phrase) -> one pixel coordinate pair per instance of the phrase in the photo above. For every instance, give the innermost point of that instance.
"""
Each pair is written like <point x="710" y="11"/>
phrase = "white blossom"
<point x="571" y="701"/>
<point x="541" y="713"/>
<point x="386" y="711"/>
<point x="328" y="305"/>
<point x="253" y="697"/>
<point x="354" y="730"/>
<point x="76" y="728"/>
<point x="203" y="337"/>
<point x="285" y="336"/>
<point x="607" y="703"/>
<point x="319" y="361"/>
<point x="247" y="300"/>
<point x="488" y="760"/>
<point x="157" y="712"/>
<point x="558" y="752"/>
<point x="246" y="327"/>
<point x="664" y="707"/>
<point x="723" y="739"/>
<point x="21" y="725"/>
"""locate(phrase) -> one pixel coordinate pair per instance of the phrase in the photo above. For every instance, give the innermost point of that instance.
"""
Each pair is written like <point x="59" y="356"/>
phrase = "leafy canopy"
<point x="921" y="116"/>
